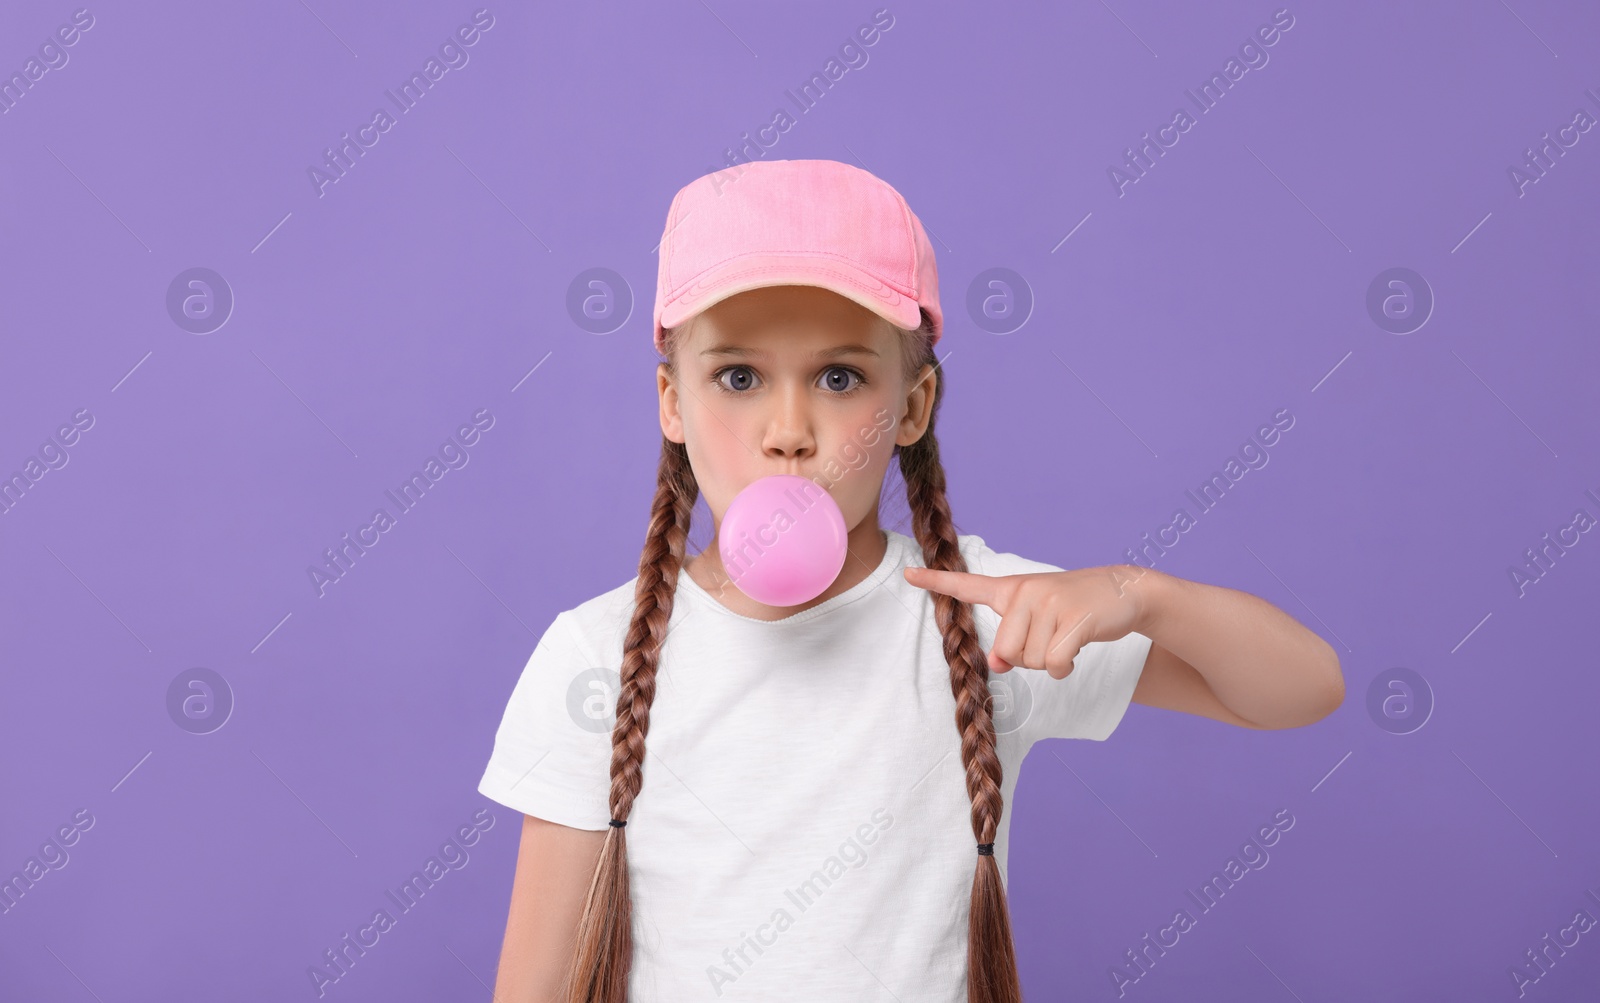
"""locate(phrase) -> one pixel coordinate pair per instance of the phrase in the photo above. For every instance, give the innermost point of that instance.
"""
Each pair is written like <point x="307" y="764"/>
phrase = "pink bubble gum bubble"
<point x="782" y="540"/>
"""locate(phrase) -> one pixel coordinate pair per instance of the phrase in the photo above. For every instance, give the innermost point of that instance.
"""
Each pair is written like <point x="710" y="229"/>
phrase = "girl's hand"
<point x="1046" y="619"/>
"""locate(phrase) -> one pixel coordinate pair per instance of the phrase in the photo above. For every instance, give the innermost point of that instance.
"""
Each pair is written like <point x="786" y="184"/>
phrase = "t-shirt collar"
<point x="898" y="549"/>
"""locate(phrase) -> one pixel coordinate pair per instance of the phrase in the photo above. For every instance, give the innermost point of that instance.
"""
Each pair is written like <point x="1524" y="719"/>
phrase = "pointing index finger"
<point x="963" y="585"/>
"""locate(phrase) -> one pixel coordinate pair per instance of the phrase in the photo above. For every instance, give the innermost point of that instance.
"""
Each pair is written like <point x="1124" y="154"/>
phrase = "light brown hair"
<point x="603" y="956"/>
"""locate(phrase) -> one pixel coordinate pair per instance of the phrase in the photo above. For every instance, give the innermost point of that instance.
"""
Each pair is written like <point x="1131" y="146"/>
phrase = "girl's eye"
<point x="837" y="379"/>
<point x="741" y="383"/>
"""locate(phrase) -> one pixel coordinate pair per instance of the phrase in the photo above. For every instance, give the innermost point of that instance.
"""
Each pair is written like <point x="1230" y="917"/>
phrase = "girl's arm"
<point x="554" y="865"/>
<point x="1229" y="655"/>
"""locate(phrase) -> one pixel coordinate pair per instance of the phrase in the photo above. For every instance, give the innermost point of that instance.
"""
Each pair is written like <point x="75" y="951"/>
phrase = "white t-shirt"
<point x="803" y="830"/>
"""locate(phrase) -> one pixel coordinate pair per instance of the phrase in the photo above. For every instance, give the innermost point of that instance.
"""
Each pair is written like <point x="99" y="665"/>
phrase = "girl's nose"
<point x="789" y="431"/>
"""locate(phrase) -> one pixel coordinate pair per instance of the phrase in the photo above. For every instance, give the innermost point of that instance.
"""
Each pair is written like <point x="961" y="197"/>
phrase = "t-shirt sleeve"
<point x="1091" y="701"/>
<point x="552" y="750"/>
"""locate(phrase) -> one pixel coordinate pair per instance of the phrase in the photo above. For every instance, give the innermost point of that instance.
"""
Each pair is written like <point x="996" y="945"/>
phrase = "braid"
<point x="991" y="959"/>
<point x="603" y="956"/>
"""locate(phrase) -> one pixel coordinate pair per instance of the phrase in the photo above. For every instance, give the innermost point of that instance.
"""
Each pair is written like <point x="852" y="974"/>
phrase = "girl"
<point x="802" y="821"/>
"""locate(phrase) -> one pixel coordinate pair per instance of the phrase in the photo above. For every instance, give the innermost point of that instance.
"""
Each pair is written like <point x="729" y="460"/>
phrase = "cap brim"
<point x="757" y="271"/>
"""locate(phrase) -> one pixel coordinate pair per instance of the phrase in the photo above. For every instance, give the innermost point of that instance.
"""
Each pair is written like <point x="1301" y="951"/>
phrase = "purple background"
<point x="432" y="281"/>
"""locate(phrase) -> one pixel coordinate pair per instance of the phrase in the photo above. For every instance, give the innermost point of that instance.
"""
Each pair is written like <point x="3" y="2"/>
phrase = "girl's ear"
<point x="919" y="407"/>
<point x="671" y="416"/>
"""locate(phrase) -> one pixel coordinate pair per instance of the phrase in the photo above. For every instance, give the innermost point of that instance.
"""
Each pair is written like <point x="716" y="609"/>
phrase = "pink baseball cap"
<point x="795" y="222"/>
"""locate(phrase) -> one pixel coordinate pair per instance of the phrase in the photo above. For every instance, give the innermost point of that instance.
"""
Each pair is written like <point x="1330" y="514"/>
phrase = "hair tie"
<point x="985" y="849"/>
<point x="619" y="823"/>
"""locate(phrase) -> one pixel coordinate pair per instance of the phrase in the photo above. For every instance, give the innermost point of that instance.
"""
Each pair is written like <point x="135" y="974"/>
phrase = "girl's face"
<point x="793" y="380"/>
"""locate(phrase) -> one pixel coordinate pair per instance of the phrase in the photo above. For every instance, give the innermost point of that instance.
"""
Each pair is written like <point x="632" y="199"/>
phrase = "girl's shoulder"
<point x="599" y="624"/>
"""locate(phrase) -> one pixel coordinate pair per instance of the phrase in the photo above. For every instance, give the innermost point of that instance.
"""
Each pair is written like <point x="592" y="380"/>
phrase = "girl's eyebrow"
<point x="826" y="353"/>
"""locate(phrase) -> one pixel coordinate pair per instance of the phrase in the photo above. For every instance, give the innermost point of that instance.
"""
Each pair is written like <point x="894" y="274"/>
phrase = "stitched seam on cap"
<point x="672" y="217"/>
<point x="911" y="238"/>
<point x="757" y="270"/>
<point x="835" y="255"/>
